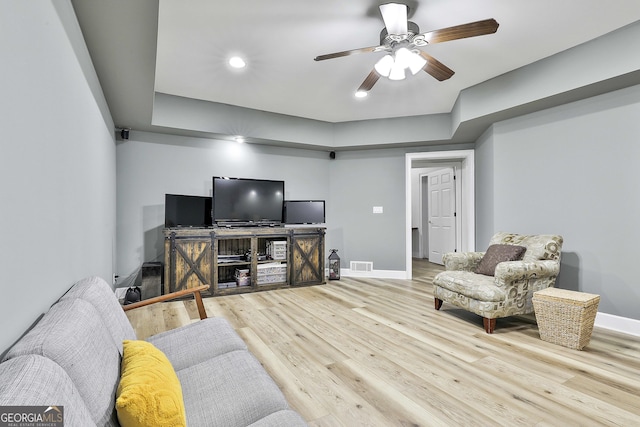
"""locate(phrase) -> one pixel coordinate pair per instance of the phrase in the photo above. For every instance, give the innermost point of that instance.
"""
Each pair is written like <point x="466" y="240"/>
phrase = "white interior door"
<point x="424" y="215"/>
<point x="442" y="214"/>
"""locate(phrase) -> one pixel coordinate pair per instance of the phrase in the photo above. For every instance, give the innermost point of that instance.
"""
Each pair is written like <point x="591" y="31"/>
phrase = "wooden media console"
<point x="234" y="260"/>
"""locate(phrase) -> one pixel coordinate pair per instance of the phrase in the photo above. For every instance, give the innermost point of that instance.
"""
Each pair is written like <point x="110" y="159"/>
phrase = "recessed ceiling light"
<point x="239" y="139"/>
<point x="361" y="94"/>
<point x="237" y="62"/>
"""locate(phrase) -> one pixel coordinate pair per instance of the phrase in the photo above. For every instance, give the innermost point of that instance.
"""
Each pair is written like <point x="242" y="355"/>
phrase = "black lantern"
<point x="334" y="265"/>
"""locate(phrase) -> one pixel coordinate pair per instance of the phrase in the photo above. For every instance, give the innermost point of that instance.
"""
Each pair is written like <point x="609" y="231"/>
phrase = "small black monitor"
<point x="304" y="212"/>
<point x="187" y="211"/>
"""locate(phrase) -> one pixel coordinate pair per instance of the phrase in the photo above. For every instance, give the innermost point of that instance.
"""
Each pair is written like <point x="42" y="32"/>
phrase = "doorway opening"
<point x="465" y="200"/>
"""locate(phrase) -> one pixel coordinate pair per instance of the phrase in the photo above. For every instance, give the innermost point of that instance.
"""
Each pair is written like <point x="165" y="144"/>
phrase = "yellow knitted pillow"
<point x="149" y="393"/>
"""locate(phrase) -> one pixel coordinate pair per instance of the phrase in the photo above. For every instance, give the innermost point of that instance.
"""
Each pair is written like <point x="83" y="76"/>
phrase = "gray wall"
<point x="361" y="180"/>
<point x="57" y="163"/>
<point x="484" y="194"/>
<point x="571" y="170"/>
<point x="151" y="165"/>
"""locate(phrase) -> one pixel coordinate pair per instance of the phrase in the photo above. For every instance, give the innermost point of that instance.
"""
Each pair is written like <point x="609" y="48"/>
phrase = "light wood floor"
<point x="372" y="352"/>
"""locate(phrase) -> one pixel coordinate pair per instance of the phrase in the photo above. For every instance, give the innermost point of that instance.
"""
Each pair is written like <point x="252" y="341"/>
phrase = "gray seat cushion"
<point x="287" y="418"/>
<point x="73" y="335"/>
<point x="197" y="342"/>
<point x="230" y="390"/>
<point x="99" y="294"/>
<point x="33" y="380"/>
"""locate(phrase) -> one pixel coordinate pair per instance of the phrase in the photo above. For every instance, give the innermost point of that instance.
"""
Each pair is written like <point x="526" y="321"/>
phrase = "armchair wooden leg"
<point x="438" y="303"/>
<point x="201" y="311"/>
<point x="489" y="325"/>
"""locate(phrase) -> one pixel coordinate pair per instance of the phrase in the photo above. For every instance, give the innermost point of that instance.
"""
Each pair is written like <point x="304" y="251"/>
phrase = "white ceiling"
<point x="280" y="39"/>
<point x="145" y="47"/>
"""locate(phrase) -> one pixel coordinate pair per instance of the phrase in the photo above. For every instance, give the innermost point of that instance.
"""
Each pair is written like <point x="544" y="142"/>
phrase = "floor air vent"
<point x="361" y="266"/>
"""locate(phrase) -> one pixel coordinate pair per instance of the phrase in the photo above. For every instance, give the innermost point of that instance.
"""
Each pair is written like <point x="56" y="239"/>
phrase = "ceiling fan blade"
<point x="436" y="68"/>
<point x="368" y="83"/>
<point x="394" y="16"/>
<point x="472" y="29"/>
<point x="347" y="53"/>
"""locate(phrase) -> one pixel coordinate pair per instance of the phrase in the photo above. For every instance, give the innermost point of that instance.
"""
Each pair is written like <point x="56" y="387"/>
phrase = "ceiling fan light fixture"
<point x="397" y="72"/>
<point x="384" y="65"/>
<point x="403" y="57"/>
<point x="416" y="63"/>
<point x="394" y="16"/>
<point x="361" y="94"/>
<point x="400" y="41"/>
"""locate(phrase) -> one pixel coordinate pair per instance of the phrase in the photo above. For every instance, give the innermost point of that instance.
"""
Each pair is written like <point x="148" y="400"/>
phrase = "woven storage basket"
<point x="565" y="317"/>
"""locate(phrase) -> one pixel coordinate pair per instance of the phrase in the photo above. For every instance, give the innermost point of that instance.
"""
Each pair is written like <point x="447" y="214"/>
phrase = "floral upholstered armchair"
<point x="501" y="281"/>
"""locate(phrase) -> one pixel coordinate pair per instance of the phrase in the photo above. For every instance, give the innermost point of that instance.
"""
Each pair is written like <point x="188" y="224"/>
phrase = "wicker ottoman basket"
<point x="565" y="317"/>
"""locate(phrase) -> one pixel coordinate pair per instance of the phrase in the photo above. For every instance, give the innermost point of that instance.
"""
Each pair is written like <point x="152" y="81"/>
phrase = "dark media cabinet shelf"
<point x="235" y="260"/>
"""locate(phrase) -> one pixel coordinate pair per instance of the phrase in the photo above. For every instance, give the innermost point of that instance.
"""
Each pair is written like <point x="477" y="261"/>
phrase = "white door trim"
<point x="423" y="249"/>
<point x="467" y="196"/>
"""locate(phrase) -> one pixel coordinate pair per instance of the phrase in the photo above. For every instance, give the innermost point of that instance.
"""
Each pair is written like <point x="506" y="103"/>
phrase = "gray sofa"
<point x="72" y="356"/>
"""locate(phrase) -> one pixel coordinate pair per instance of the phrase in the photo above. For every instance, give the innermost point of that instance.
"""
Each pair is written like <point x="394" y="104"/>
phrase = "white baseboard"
<point x="618" y="324"/>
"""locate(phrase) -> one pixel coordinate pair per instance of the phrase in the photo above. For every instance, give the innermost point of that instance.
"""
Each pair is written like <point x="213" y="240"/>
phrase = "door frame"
<point x="423" y="249"/>
<point x="467" y="196"/>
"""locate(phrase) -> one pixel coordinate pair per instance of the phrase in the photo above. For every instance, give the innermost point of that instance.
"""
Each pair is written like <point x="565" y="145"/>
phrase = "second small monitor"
<point x="304" y="212"/>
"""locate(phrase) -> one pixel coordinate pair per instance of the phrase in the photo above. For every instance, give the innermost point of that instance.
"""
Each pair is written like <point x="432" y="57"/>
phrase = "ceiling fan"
<point x="401" y="40"/>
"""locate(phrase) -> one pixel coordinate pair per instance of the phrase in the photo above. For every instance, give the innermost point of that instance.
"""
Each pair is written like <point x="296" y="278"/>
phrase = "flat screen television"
<point x="304" y="211"/>
<point x="187" y="211"/>
<point x="247" y="201"/>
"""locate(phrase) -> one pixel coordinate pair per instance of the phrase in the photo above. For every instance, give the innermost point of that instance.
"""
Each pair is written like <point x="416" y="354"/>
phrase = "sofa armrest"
<point x="173" y="295"/>
<point x="462" y="261"/>
<point x="512" y="271"/>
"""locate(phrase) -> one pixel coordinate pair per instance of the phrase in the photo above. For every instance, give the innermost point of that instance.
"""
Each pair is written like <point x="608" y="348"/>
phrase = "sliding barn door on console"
<point x="187" y="262"/>
<point x="307" y="257"/>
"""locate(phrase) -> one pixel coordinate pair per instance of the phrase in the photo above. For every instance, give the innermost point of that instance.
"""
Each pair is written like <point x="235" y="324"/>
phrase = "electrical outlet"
<point x="377" y="210"/>
<point x="115" y="279"/>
